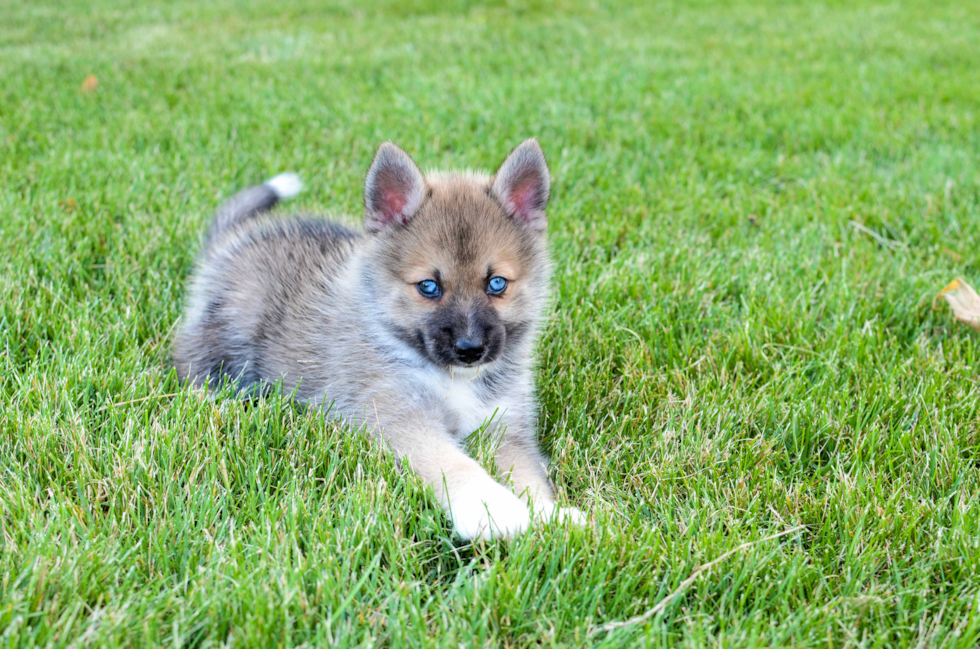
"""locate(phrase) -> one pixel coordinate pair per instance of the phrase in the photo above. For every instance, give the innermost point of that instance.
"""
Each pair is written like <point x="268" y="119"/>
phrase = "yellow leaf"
<point x="70" y="205"/>
<point x="90" y="83"/>
<point x="963" y="300"/>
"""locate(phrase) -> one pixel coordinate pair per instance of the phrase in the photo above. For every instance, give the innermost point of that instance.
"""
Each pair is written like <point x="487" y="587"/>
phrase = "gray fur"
<point x="335" y="316"/>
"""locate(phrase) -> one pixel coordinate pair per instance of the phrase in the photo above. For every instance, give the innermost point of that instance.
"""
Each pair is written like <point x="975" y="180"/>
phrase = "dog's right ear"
<point x="393" y="190"/>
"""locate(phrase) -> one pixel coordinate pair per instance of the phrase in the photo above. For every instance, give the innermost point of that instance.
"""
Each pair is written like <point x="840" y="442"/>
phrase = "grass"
<point x="707" y="379"/>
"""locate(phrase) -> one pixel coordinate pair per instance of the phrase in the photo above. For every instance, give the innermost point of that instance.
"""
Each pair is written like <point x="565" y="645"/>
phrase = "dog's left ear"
<point x="522" y="185"/>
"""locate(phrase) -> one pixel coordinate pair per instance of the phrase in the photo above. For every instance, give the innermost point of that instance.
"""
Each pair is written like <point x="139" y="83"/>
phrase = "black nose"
<point x="469" y="350"/>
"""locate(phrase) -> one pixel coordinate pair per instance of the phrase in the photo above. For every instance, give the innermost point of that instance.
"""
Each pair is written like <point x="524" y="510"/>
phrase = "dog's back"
<point x="258" y="281"/>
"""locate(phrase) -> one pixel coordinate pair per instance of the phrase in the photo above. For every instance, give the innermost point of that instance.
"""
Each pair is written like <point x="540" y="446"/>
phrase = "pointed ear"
<point x="522" y="185"/>
<point x="393" y="189"/>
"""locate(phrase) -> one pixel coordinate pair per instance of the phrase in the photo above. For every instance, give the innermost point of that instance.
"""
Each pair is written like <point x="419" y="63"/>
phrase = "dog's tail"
<point x="250" y="203"/>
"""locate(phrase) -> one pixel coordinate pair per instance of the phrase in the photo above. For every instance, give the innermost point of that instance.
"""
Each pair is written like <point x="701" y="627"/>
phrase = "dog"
<point x="420" y="328"/>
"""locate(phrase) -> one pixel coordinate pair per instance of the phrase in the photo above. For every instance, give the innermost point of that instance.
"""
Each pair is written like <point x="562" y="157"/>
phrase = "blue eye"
<point x="496" y="285"/>
<point x="429" y="288"/>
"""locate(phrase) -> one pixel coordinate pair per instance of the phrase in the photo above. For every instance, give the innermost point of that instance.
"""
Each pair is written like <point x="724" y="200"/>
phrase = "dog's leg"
<point x="519" y="457"/>
<point x="478" y="505"/>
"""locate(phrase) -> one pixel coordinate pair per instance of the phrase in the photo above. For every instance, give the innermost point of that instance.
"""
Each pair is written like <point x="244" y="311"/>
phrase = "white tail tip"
<point x="285" y="185"/>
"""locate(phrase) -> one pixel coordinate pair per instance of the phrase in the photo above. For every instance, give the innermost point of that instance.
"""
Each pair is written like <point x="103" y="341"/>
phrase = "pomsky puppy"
<point x="420" y="329"/>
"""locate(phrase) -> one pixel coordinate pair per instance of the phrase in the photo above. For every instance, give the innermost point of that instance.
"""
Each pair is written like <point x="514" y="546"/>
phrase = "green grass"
<point x="706" y="381"/>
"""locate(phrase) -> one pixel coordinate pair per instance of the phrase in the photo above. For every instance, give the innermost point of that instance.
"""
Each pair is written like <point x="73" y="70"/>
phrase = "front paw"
<point x="485" y="509"/>
<point x="550" y="512"/>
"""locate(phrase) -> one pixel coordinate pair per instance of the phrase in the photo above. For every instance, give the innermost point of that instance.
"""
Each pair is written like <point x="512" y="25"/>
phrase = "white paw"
<point x="488" y="510"/>
<point x="552" y="513"/>
<point x="572" y="515"/>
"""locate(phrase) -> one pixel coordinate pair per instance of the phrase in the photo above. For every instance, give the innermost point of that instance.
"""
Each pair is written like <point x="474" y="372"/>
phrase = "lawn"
<point x="753" y="207"/>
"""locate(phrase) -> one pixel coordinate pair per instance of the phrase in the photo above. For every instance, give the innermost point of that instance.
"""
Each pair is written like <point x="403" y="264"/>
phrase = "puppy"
<point x="420" y="329"/>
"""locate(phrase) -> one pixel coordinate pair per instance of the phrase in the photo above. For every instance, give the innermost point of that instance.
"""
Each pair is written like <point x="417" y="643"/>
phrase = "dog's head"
<point x="458" y="261"/>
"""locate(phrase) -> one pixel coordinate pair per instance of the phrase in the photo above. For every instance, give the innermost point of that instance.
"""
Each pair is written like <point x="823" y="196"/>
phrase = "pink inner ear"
<point x="393" y="206"/>
<point x="522" y="198"/>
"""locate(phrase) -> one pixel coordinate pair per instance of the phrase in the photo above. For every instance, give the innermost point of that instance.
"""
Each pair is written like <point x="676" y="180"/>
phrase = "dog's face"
<point x="459" y="261"/>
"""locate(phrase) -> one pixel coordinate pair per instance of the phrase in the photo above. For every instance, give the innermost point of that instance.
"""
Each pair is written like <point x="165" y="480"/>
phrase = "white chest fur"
<point x="463" y="400"/>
